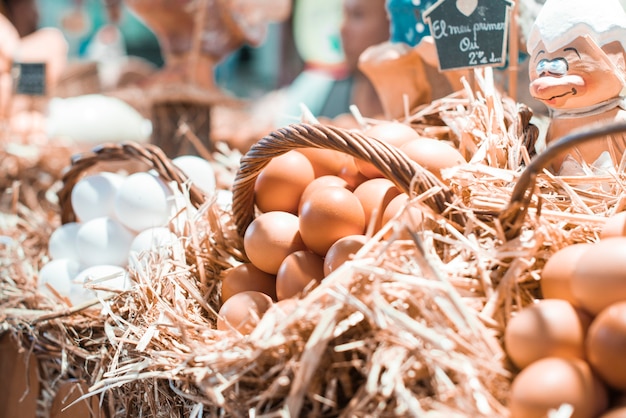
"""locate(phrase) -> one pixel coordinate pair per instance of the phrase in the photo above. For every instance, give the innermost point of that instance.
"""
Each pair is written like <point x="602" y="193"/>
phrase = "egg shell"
<point x="606" y="345"/>
<point x="143" y="201"/>
<point x="93" y="196"/>
<point x="270" y="238"/>
<point x="553" y="381"/>
<point x="323" y="181"/>
<point x="62" y="241"/>
<point x="599" y="278"/>
<point x="199" y="171"/>
<point x="375" y="195"/>
<point x="324" y="161"/>
<point x="297" y="271"/>
<point x="550" y="327"/>
<point x="341" y="251"/>
<point x="391" y="132"/>
<point x="243" y="311"/>
<point x="279" y="185"/>
<point x="432" y="154"/>
<point x="103" y="241"/>
<point x="58" y="274"/>
<point x="329" y="214"/>
<point x="615" y="226"/>
<point x="411" y="216"/>
<point x="245" y="277"/>
<point x="556" y="275"/>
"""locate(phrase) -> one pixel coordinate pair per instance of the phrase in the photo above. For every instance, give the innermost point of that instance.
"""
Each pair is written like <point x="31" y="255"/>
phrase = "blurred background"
<point x="248" y="72"/>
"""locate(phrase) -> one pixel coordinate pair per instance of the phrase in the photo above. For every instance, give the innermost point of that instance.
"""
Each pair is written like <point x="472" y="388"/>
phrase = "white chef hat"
<point x="561" y="21"/>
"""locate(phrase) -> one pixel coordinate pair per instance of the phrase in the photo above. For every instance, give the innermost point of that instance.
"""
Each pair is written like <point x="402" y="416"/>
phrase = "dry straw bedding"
<point x="411" y="327"/>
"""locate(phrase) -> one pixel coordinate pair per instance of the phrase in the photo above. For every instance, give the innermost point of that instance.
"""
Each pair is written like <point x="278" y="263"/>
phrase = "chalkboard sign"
<point x="29" y="78"/>
<point x="469" y="33"/>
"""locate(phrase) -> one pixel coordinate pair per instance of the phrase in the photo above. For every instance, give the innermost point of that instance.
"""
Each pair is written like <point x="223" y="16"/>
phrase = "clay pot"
<point x="395" y="77"/>
<point x="19" y="386"/>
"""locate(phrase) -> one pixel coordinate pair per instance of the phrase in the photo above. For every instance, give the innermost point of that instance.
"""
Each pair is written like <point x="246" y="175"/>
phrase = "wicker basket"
<point x="512" y="217"/>
<point x="407" y="175"/>
<point x="130" y="156"/>
<point x="225" y="378"/>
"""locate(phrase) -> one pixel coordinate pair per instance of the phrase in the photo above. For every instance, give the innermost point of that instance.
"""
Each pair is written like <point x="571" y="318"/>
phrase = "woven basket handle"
<point x="512" y="217"/>
<point x="393" y="164"/>
<point x="149" y="154"/>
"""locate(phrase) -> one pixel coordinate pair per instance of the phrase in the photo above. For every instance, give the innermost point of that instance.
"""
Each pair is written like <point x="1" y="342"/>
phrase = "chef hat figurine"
<point x="577" y="69"/>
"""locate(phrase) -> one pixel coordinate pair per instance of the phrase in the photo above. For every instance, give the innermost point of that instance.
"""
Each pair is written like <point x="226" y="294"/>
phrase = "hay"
<point x="409" y="327"/>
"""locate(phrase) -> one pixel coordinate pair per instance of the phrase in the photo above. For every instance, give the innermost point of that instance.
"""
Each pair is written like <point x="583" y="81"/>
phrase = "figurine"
<point x="404" y="69"/>
<point x="577" y="68"/>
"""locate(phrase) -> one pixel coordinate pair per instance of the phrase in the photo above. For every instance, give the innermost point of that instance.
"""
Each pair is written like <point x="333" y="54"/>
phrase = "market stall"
<point x="435" y="264"/>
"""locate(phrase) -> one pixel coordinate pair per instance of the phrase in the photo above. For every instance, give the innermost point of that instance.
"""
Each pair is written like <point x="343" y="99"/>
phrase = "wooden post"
<point x="513" y="51"/>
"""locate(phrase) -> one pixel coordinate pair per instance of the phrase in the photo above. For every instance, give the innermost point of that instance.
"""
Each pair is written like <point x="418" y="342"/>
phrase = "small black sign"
<point x="29" y="78"/>
<point x="469" y="33"/>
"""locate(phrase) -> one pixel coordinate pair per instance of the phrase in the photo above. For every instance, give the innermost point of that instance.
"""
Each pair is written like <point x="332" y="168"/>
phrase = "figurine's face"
<point x="578" y="75"/>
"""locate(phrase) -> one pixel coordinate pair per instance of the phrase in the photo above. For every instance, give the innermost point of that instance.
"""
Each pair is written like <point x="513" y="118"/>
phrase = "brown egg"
<point x="325" y="161"/>
<point x="433" y="154"/>
<point x="280" y="183"/>
<point x="286" y="307"/>
<point x="329" y="214"/>
<point x="375" y="195"/>
<point x="553" y="381"/>
<point x="351" y="174"/>
<point x="556" y="275"/>
<point x="393" y="133"/>
<point x="551" y="327"/>
<point x="606" y="345"/>
<point x="243" y="311"/>
<point x="270" y="238"/>
<point x="246" y="277"/>
<point x="342" y="250"/>
<point x="615" y="226"/>
<point x="599" y="278"/>
<point x="297" y="271"/>
<point x="412" y="217"/>
<point x="323" y="181"/>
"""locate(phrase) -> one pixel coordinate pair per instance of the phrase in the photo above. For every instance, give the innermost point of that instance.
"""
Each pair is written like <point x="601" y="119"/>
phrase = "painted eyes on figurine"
<point x="555" y="67"/>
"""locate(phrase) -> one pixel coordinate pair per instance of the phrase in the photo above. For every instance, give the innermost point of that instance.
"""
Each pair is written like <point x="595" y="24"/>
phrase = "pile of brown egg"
<point x="317" y="208"/>
<point x="570" y="346"/>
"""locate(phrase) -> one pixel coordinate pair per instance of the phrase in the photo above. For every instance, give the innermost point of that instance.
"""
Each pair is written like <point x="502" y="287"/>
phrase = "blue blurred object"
<point x="91" y="14"/>
<point x="407" y="24"/>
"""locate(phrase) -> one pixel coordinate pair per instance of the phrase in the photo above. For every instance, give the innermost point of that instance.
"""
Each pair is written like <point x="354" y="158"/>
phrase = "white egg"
<point x="153" y="239"/>
<point x="182" y="211"/>
<point x="103" y="241"/>
<point x="93" y="196"/>
<point x="62" y="242"/>
<point x="59" y="275"/>
<point x="199" y="171"/>
<point x="100" y="280"/>
<point x="224" y="199"/>
<point x="94" y="119"/>
<point x="143" y="201"/>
